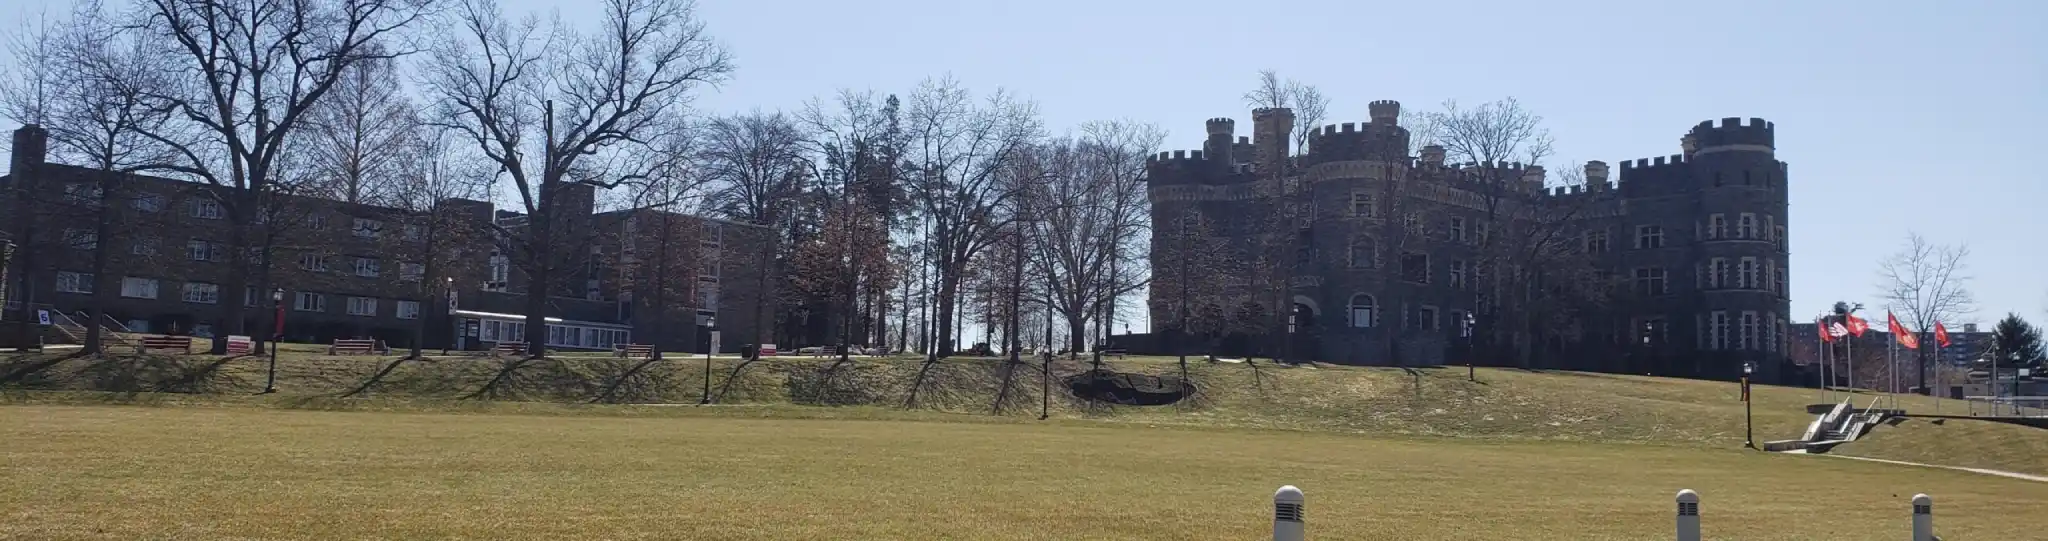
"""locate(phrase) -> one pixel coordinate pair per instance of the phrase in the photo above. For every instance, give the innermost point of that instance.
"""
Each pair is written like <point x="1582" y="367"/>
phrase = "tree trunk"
<point x="103" y="231"/>
<point x="948" y="301"/>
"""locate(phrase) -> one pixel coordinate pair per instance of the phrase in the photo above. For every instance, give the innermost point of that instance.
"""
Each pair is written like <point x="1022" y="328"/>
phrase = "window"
<point x="143" y="246"/>
<point x="1362" y="307"/>
<point x="1361" y="253"/>
<point x="1778" y="279"/>
<point x="138" y="288"/>
<point x="1650" y="331"/>
<point x="1717" y="226"/>
<point x="367" y="228"/>
<point x="202" y="293"/>
<point x="1751" y="332"/>
<point x="1457" y="229"/>
<point x="1423" y="318"/>
<point x="313" y="262"/>
<point x="202" y="330"/>
<point x="309" y="302"/>
<point x="1304" y="248"/>
<point x="707" y="295"/>
<point x="1717" y="330"/>
<point x="591" y="291"/>
<point x="412" y="272"/>
<point x="1459" y="320"/>
<point x="368" y="267"/>
<point x="72" y="282"/>
<point x="414" y="233"/>
<point x="1361" y="204"/>
<point x="1778" y="237"/>
<point x="408" y="309"/>
<point x="1651" y="281"/>
<point x="201" y="250"/>
<point x="1717" y="273"/>
<point x="501" y="272"/>
<point x="316" y="222"/>
<point x="1596" y="241"/>
<point x="83" y="193"/>
<point x="148" y="202"/>
<point x="1749" y="278"/>
<point x="1415" y="267"/>
<point x="1778" y="334"/>
<point x="709" y="264"/>
<point x="714" y="234"/>
<point x="1412" y="223"/>
<point x="1457" y="273"/>
<point x="205" y="208"/>
<point x="1745" y="226"/>
<point x="251" y="298"/>
<point x="362" y="306"/>
<point x="83" y="239"/>
<point x="1649" y="237"/>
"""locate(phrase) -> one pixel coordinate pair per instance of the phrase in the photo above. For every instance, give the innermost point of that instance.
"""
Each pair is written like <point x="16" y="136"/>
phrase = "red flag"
<point x="1940" y="334"/>
<point x="1856" y="324"/>
<point x="1905" y="338"/>
<point x="1822" y="326"/>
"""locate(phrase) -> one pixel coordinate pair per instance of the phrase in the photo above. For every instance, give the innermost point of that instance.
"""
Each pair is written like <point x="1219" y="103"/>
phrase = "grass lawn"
<point x="98" y="472"/>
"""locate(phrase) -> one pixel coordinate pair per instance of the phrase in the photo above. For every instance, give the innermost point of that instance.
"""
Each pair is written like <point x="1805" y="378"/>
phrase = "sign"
<point x="240" y="345"/>
<point x="43" y="317"/>
<point x="767" y="350"/>
<point x="714" y="342"/>
<point x="451" y="302"/>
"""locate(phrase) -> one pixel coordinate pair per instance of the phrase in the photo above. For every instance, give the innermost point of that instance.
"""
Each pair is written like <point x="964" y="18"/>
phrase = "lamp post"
<point x="1748" y="428"/>
<point x="1471" y="374"/>
<point x="711" y="326"/>
<point x="276" y="336"/>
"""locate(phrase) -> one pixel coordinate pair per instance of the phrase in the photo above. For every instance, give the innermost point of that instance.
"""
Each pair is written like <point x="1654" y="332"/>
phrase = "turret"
<point x="1217" y="147"/>
<point x="1734" y="134"/>
<point x="1271" y="128"/>
<point x="1433" y="155"/>
<point x="1385" y="112"/>
<point x="1596" y="176"/>
<point x="31" y="148"/>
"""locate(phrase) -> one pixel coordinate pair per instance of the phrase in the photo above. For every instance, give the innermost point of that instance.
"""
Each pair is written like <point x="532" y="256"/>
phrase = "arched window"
<point x="1362" y="310"/>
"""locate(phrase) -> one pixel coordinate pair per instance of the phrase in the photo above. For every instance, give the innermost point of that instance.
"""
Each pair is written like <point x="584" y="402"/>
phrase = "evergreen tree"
<point x="2016" y="343"/>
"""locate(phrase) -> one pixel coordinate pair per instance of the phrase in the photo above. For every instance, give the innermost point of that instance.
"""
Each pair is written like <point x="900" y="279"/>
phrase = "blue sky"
<point x="1895" y="117"/>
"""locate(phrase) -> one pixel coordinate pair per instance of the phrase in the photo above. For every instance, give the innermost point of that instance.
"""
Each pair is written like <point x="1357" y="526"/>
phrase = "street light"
<point x="1748" y="427"/>
<point x="276" y="336"/>
<point x="1471" y="374"/>
<point x="711" y="325"/>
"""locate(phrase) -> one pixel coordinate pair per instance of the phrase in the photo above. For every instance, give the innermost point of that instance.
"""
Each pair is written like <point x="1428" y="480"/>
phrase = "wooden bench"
<point x="508" y="349"/>
<point x="1113" y="352"/>
<point x="352" y="347"/>
<point x="181" y="343"/>
<point x="634" y="351"/>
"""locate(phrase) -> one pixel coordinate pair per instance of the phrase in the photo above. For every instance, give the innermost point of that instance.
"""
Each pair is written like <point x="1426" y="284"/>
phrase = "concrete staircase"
<point x="1841" y="424"/>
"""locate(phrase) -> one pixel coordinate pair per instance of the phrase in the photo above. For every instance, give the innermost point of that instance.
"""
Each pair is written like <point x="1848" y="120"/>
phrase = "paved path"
<point x="2020" y="476"/>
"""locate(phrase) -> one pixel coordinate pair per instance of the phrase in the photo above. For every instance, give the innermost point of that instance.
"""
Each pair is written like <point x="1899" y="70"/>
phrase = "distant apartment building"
<point x="343" y="270"/>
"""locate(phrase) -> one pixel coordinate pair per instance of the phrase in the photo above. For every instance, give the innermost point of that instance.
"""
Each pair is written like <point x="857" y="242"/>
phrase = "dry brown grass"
<point x="73" y="472"/>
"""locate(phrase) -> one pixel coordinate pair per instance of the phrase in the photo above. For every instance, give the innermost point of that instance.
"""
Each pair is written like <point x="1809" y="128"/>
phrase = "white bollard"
<point x="1688" y="515"/>
<point x="1287" y="507"/>
<point x="1923" y="518"/>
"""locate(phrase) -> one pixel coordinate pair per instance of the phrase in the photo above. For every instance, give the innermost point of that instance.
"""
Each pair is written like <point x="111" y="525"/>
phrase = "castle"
<point x="1679" y="261"/>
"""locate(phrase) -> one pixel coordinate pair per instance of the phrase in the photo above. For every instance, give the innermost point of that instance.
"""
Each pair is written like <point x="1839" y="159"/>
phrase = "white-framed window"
<point x="362" y="306"/>
<point x="1652" y="281"/>
<point x="1457" y="273"/>
<point x="1745" y="226"/>
<point x="1457" y="229"/>
<point x="1717" y="330"/>
<point x="1361" y="205"/>
<point x="71" y="282"/>
<point x="205" y="208"/>
<point x="412" y="272"/>
<point x="309" y="302"/>
<point x="501" y="272"/>
<point x="316" y="222"/>
<point x="143" y="246"/>
<point x="366" y="228"/>
<point x="1596" y="241"/>
<point x="83" y="193"/>
<point x="82" y="239"/>
<point x="313" y="262"/>
<point x="202" y="293"/>
<point x="707" y="295"/>
<point x="368" y="267"/>
<point x="1649" y="237"/>
<point x="202" y="250"/>
<point x="1717" y="226"/>
<point x="1778" y="278"/>
<point x="714" y="234"/>
<point x="1750" y="277"/>
<point x="1363" y="308"/>
<point x="1751" y="333"/>
<point x="147" y="202"/>
<point x="408" y="310"/>
<point x="709" y="263"/>
<point x="136" y="287"/>
<point x="1717" y="273"/>
<point x="1778" y="237"/>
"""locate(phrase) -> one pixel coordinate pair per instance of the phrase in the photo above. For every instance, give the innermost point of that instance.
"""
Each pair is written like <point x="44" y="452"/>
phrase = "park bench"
<point x="634" y="351"/>
<point x="1113" y="352"/>
<point x="352" y="347"/>
<point x="181" y="343"/>
<point x="508" y="349"/>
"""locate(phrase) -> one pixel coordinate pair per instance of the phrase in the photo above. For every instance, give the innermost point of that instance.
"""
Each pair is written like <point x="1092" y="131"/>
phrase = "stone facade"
<point x="1378" y="250"/>
<point x="351" y="270"/>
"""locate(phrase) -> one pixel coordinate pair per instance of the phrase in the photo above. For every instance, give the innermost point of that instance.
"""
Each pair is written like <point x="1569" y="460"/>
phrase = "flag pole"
<point x="1891" y="359"/>
<point x="1821" y="324"/>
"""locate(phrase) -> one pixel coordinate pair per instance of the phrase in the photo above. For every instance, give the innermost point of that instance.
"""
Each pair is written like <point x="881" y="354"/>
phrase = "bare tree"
<point x="360" y="133"/>
<point x="1091" y="197"/>
<point x="248" y="75"/>
<point x="556" y="108"/>
<point x="958" y="146"/>
<point x="1926" y="283"/>
<point x="758" y="170"/>
<point x="1309" y="104"/>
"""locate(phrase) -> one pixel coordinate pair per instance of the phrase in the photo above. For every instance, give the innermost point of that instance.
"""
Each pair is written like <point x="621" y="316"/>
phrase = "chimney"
<point x="1596" y="175"/>
<point x="31" y="148"/>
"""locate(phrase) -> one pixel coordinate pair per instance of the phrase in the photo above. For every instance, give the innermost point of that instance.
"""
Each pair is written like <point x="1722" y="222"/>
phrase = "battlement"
<point x="1384" y="112"/>
<point x="1734" y="131"/>
<point x="1222" y="126"/>
<point x="1176" y="155"/>
<point x="1646" y="163"/>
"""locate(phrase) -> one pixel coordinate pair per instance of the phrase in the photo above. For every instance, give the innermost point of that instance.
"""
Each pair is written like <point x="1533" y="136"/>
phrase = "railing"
<point x="119" y="331"/>
<point x="1290" y="516"/>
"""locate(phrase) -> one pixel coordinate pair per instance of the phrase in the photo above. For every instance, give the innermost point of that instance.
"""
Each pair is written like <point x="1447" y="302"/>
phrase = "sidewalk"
<point x="2020" y="476"/>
